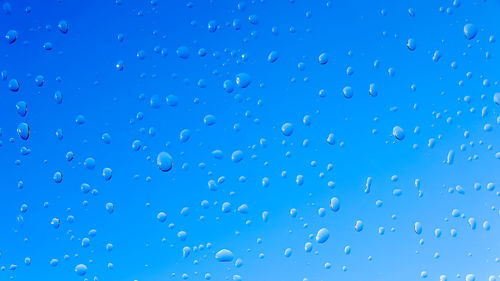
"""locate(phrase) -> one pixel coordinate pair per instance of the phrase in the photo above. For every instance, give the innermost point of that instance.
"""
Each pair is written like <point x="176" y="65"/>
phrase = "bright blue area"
<point x="82" y="66"/>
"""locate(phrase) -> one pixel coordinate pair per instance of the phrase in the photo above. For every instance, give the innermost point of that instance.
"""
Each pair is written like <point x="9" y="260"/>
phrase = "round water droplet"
<point x="348" y="92"/>
<point x="253" y="19"/>
<point x="107" y="173"/>
<point x="398" y="133"/>
<point x="209" y="120"/>
<point x="164" y="161"/>
<point x="55" y="222"/>
<point x="226" y="207"/>
<point x="372" y="90"/>
<point x="323" y="58"/>
<point x="63" y="26"/>
<point x="172" y="100"/>
<point x="110" y="208"/>
<point x="237" y="156"/>
<point x="89" y="163"/>
<point x="347" y="250"/>
<point x="411" y="44"/>
<point x="85" y="242"/>
<point x="119" y="65"/>
<point x="58" y="177"/>
<point x="58" y="97"/>
<point x="155" y="101"/>
<point x="358" y="226"/>
<point x="212" y="26"/>
<point x="13" y="85"/>
<point x="23" y="131"/>
<point x="106" y="138"/>
<point x="228" y="86"/>
<point x="470" y="31"/>
<point x="162" y="217"/>
<point x="11" y="36"/>
<point x="287" y="129"/>
<point x="335" y="204"/>
<point x="21" y="108"/>
<point x="183" y="52"/>
<point x="322" y="235"/>
<point x="243" y="80"/>
<point x="80" y="119"/>
<point x="81" y="269"/>
<point x="185" y="135"/>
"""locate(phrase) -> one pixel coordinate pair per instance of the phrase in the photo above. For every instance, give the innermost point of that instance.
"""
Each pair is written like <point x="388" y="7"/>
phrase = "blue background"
<point x="422" y="93"/>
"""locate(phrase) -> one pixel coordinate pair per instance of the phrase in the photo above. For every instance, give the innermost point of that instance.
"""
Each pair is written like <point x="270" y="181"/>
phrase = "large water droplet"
<point x="224" y="255"/>
<point x="63" y="26"/>
<point x="398" y="133"/>
<point x="287" y="129"/>
<point x="23" y="131"/>
<point x="243" y="80"/>
<point x="335" y="204"/>
<point x="21" y="108"/>
<point x="11" y="36"/>
<point x="164" y="161"/>
<point x="322" y="235"/>
<point x="470" y="31"/>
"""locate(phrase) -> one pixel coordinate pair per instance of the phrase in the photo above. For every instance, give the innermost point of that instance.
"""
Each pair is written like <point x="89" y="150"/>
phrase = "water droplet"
<point x="322" y="235"/>
<point x="162" y="217"/>
<point x="470" y="31"/>
<point x="287" y="129"/>
<point x="470" y="277"/>
<point x="21" y="108"/>
<point x="212" y="26"/>
<point x="243" y="80"/>
<point x="209" y="120"/>
<point x="13" y="85"/>
<point x="398" y="133"/>
<point x="183" y="52"/>
<point x="23" y="131"/>
<point x="450" y="158"/>
<point x="411" y="44"/>
<point x="224" y="255"/>
<point x="11" y="36"/>
<point x="63" y="26"/>
<point x="237" y="156"/>
<point x="119" y="65"/>
<point x="323" y="58"/>
<point x="89" y="163"/>
<point x="417" y="228"/>
<point x="228" y="86"/>
<point x="273" y="56"/>
<point x="335" y="204"/>
<point x="358" y="226"/>
<point x="55" y="222"/>
<point x="372" y="90"/>
<point x="107" y="173"/>
<point x="58" y="97"/>
<point x="348" y="92"/>
<point x="58" y="177"/>
<point x="164" y="161"/>
<point x="185" y="135"/>
<point x="496" y="98"/>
